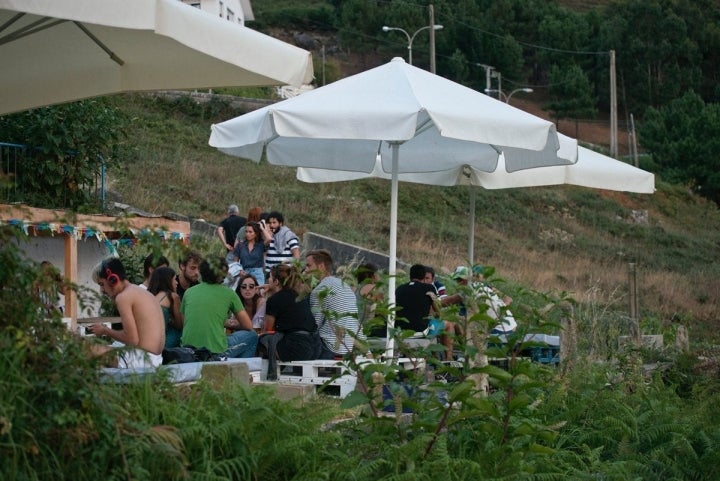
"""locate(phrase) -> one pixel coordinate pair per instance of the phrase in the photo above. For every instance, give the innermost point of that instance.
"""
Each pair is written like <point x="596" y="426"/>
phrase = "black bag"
<point x="180" y="355"/>
<point x="202" y="354"/>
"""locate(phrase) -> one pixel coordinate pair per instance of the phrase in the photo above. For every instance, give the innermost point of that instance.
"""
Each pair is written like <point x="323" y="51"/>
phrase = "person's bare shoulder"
<point x="134" y="293"/>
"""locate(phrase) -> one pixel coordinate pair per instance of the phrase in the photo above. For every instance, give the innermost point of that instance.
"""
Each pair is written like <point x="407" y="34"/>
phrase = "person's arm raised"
<point x="178" y="320"/>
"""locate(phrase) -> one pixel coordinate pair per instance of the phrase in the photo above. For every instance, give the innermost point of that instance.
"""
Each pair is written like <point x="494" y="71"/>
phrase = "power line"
<point x="451" y="18"/>
<point x="526" y="44"/>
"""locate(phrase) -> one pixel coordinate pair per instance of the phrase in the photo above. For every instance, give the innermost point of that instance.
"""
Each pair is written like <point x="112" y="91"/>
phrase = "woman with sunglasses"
<point x="249" y="291"/>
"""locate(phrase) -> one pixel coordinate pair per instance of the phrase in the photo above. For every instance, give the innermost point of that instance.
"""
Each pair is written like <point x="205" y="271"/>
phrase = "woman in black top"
<point x="289" y="322"/>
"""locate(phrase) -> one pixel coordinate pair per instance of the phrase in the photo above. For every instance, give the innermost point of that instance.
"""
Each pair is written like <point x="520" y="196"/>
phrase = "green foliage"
<point x="48" y="412"/>
<point x="632" y="431"/>
<point x="327" y="71"/>
<point x="214" y="110"/>
<point x="248" y="92"/>
<point x="311" y="15"/>
<point x="450" y="424"/>
<point x="57" y="419"/>
<point x="571" y="94"/>
<point x="683" y="137"/>
<point x="358" y="20"/>
<point x="67" y="146"/>
<point x="658" y="52"/>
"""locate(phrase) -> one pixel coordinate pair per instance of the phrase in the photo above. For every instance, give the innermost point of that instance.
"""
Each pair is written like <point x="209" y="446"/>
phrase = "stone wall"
<point x="345" y="254"/>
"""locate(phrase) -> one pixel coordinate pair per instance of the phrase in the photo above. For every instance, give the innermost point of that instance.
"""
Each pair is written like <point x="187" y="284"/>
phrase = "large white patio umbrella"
<point x="54" y="51"/>
<point x="592" y="169"/>
<point x="413" y="120"/>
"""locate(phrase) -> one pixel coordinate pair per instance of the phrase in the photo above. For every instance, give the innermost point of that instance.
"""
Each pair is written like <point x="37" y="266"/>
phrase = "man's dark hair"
<point x="276" y="215"/>
<point x="417" y="271"/>
<point x="213" y="270"/>
<point x="111" y="266"/>
<point x="190" y="255"/>
<point x="154" y="261"/>
<point x="365" y="271"/>
<point x="322" y="256"/>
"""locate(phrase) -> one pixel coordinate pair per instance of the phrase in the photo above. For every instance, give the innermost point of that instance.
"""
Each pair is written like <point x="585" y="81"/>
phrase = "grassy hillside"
<point x="552" y="239"/>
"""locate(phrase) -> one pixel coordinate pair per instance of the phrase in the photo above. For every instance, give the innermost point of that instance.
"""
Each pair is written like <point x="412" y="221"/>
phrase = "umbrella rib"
<point x="45" y="23"/>
<point x="427" y="124"/>
<point x="29" y="29"/>
<point x="11" y="21"/>
<point x="97" y="41"/>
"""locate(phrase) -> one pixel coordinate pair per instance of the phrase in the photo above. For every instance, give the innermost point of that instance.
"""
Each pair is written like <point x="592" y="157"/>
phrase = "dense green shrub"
<point x="59" y="420"/>
<point x="68" y="147"/>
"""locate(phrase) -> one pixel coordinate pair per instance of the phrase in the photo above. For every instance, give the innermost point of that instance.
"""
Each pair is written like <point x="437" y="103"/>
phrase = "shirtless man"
<point x="142" y="336"/>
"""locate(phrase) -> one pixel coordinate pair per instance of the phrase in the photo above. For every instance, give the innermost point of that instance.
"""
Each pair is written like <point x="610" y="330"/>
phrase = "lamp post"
<point x="507" y="97"/>
<point x="410" y="38"/>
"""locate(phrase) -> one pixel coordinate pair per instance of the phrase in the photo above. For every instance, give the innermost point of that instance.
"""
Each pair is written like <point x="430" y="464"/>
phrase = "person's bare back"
<point x="140" y="313"/>
<point x="142" y="319"/>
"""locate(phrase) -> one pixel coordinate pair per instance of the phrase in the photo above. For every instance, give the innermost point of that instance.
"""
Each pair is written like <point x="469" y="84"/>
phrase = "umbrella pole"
<point x="390" y="347"/>
<point x="471" y="234"/>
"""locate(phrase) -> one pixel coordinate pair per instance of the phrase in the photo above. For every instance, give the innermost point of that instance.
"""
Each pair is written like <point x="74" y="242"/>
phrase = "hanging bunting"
<point x="84" y="233"/>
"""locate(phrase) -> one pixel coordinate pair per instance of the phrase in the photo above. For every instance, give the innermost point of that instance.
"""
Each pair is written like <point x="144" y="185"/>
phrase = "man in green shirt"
<point x="207" y="308"/>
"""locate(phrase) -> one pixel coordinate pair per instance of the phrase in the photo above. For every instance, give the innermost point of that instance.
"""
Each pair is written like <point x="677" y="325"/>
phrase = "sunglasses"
<point x="247" y="286"/>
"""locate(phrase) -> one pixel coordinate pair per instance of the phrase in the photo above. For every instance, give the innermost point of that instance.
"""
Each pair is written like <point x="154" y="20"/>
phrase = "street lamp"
<point x="507" y="97"/>
<point x="527" y="90"/>
<point x="410" y="38"/>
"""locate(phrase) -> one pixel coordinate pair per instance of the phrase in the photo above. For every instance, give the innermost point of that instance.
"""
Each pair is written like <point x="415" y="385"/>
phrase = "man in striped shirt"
<point x="334" y="306"/>
<point x="284" y="247"/>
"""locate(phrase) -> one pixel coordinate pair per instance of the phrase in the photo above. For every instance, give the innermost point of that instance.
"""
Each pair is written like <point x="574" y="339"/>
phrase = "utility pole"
<point x="431" y="12"/>
<point x="498" y="75"/>
<point x="323" y="64"/>
<point x="633" y="142"/>
<point x="488" y="75"/>
<point x="613" y="107"/>
<point x="634" y="311"/>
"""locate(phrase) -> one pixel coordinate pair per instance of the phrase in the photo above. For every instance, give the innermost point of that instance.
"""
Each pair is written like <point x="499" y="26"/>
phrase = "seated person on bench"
<point x="140" y="342"/>
<point x="290" y="332"/>
<point x="416" y="301"/>
<point x="334" y="306"/>
<point x="497" y="306"/>
<point x="205" y="308"/>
